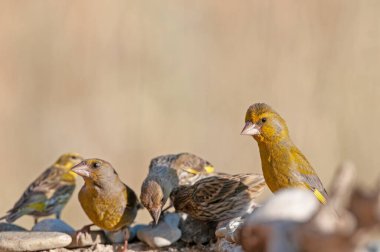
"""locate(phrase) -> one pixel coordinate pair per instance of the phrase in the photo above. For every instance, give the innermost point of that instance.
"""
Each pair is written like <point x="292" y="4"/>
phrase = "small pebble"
<point x="231" y="230"/>
<point x="117" y="237"/>
<point x="32" y="241"/>
<point x="4" y="226"/>
<point x="53" y="225"/>
<point x="161" y="235"/>
<point x="291" y="204"/>
<point x="225" y="246"/>
<point x="133" y="231"/>
<point x="88" y="239"/>
<point x="172" y="219"/>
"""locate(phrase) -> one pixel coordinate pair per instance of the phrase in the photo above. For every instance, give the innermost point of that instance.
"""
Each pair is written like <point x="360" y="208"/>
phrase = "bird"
<point x="49" y="193"/>
<point x="106" y="200"/>
<point x="220" y="197"/>
<point x="283" y="164"/>
<point x="166" y="172"/>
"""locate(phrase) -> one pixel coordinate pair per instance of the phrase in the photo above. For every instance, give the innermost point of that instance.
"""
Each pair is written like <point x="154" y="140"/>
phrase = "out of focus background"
<point x="129" y="80"/>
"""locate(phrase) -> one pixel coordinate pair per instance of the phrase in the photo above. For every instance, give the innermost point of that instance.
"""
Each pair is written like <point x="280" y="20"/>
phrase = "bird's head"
<point x="152" y="197"/>
<point x="95" y="171"/>
<point x="68" y="160"/>
<point x="264" y="124"/>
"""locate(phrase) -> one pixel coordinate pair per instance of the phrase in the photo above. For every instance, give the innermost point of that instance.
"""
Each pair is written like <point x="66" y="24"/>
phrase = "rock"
<point x="88" y="239"/>
<point x="196" y="231"/>
<point x="117" y="237"/>
<point x="133" y="231"/>
<point x="272" y="225"/>
<point x="273" y="236"/>
<point x="291" y="204"/>
<point x="372" y="246"/>
<point x="172" y="219"/>
<point x="32" y="241"/>
<point x="53" y="225"/>
<point x="231" y="231"/>
<point x="225" y="246"/>
<point x="4" y="226"/>
<point x="161" y="235"/>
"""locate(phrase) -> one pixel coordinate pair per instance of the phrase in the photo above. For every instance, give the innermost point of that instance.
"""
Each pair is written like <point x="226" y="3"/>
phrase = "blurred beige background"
<point x="130" y="80"/>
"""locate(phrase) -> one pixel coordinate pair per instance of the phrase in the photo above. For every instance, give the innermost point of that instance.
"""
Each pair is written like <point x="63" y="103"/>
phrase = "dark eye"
<point x="263" y="120"/>
<point x="96" y="165"/>
<point x="73" y="157"/>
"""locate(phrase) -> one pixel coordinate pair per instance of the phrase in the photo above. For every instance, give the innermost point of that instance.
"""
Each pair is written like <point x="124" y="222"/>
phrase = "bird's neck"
<point x="272" y="150"/>
<point x="99" y="185"/>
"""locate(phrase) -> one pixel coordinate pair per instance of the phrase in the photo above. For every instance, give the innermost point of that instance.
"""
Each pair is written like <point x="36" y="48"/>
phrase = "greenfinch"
<point x="166" y="173"/>
<point x="106" y="200"/>
<point x="49" y="193"/>
<point x="218" y="198"/>
<point x="282" y="162"/>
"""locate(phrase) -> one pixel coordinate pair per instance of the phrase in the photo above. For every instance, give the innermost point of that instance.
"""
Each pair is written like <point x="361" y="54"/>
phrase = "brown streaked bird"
<point x="49" y="193"/>
<point x="107" y="201"/>
<point x="282" y="162"/>
<point x="219" y="198"/>
<point x="166" y="173"/>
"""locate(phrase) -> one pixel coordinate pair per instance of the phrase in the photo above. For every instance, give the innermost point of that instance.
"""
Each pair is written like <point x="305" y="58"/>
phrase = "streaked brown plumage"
<point x="219" y="197"/>
<point x="166" y="173"/>
<point x="49" y="193"/>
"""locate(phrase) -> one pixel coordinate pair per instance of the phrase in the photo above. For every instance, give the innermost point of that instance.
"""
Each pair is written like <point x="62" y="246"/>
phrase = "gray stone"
<point x="293" y="205"/>
<point x="133" y="231"/>
<point x="161" y="235"/>
<point x="87" y="239"/>
<point x="196" y="231"/>
<point x="32" y="241"/>
<point x="4" y="226"/>
<point x="53" y="225"/>
<point x="225" y="246"/>
<point x="372" y="246"/>
<point x="117" y="237"/>
<point x="231" y="230"/>
<point x="172" y="219"/>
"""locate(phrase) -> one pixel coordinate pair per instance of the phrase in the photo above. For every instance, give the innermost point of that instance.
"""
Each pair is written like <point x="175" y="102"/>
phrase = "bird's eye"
<point x="96" y="165"/>
<point x="263" y="120"/>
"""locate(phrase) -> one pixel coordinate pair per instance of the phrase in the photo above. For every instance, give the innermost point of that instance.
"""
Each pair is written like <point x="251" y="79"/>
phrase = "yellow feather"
<point x="191" y="170"/>
<point x="320" y="197"/>
<point x="209" y="169"/>
<point x="38" y="206"/>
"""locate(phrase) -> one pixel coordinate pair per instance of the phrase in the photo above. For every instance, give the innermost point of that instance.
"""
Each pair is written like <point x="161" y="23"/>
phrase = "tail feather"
<point x="12" y="217"/>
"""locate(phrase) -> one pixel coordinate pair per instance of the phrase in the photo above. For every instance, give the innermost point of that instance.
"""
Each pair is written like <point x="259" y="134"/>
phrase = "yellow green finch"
<point x="282" y="162"/>
<point x="49" y="193"/>
<point x="107" y="201"/>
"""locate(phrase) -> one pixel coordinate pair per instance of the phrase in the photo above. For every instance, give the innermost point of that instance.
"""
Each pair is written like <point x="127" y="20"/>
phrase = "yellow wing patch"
<point x="37" y="206"/>
<point x="209" y="169"/>
<point x="320" y="197"/>
<point x="191" y="170"/>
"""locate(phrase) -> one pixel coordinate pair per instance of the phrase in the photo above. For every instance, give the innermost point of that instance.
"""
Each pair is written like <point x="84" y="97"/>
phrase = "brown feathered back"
<point x="218" y="197"/>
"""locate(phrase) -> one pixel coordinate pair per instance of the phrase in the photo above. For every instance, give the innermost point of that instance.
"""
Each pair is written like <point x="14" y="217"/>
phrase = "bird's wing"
<point x="216" y="188"/>
<point x="193" y="164"/>
<point x="45" y="185"/>
<point x="307" y="174"/>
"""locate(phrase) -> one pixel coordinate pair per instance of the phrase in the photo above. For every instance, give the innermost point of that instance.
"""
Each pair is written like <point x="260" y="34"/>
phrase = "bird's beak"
<point x="155" y="213"/>
<point x="250" y="129"/>
<point x="81" y="169"/>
